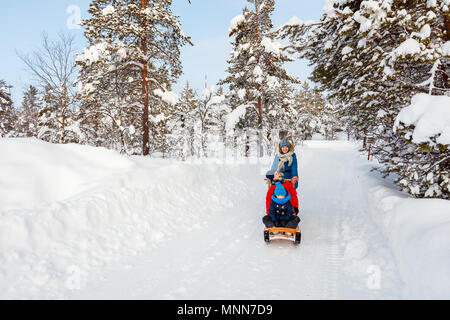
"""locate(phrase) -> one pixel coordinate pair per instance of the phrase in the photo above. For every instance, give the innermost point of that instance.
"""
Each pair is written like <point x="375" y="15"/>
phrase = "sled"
<point x="294" y="235"/>
<point x="278" y="233"/>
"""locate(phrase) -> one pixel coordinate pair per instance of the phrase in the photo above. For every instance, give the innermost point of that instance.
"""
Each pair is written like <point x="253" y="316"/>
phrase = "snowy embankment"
<point x="419" y="234"/>
<point x="67" y="211"/>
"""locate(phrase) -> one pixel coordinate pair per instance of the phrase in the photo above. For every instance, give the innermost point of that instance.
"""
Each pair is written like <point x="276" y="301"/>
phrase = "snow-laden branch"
<point x="167" y="96"/>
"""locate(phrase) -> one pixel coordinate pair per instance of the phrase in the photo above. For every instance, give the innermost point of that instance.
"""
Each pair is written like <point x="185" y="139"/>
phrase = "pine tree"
<point x="182" y="123"/>
<point x="109" y="96"/>
<point x="159" y="131"/>
<point x="7" y="111"/>
<point x="150" y="37"/>
<point x="28" y="118"/>
<point x="310" y="115"/>
<point x="57" y="123"/>
<point x="219" y="112"/>
<point x="417" y="63"/>
<point x="256" y="66"/>
<point x="209" y="115"/>
<point x="372" y="56"/>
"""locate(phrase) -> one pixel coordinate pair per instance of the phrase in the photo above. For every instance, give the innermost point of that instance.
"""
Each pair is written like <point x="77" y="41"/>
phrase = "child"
<point x="281" y="211"/>
<point x="278" y="177"/>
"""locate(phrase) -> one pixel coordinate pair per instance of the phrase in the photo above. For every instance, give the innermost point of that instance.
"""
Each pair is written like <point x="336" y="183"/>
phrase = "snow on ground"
<point x="78" y="222"/>
<point x="35" y="173"/>
<point x="97" y="208"/>
<point x="419" y="235"/>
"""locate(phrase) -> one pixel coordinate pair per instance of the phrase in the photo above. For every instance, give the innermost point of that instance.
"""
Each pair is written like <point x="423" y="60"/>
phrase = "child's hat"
<point x="279" y="190"/>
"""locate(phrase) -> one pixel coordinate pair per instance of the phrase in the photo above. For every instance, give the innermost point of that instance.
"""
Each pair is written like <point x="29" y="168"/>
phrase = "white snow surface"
<point x="94" y="53"/>
<point x="109" y="9"/>
<point x="407" y="47"/>
<point x="234" y="117"/>
<point x="424" y="33"/>
<point x="78" y="222"/>
<point x="430" y="115"/>
<point x="34" y="173"/>
<point x="295" y="21"/>
<point x="271" y="46"/>
<point x="446" y="49"/>
<point x="346" y="50"/>
<point x="418" y="232"/>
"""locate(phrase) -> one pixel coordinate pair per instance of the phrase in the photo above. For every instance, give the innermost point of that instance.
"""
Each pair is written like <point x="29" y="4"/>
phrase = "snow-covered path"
<point x="223" y="256"/>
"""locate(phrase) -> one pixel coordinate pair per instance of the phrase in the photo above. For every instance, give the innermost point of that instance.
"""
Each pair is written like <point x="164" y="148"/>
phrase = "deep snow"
<point x="78" y="222"/>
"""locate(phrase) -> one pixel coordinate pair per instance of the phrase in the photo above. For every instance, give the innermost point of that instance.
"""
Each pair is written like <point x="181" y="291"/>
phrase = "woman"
<point x="286" y="162"/>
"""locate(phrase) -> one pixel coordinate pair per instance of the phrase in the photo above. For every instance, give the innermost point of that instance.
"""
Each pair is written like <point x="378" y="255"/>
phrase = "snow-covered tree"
<point x="182" y="124"/>
<point x="28" y="118"/>
<point x="256" y="66"/>
<point x="418" y="62"/>
<point x="160" y="116"/>
<point x="209" y="115"/>
<point x="57" y="123"/>
<point x="307" y="113"/>
<point x="422" y="154"/>
<point x="372" y="56"/>
<point x="148" y="38"/>
<point x="109" y="95"/>
<point x="7" y="112"/>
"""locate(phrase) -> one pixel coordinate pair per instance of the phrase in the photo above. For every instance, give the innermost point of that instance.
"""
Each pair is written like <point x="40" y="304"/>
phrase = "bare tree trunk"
<point x="119" y="107"/>
<point x="247" y="143"/>
<point x="260" y="127"/>
<point x="62" y="107"/>
<point x="63" y="129"/>
<point x="258" y="39"/>
<point x="145" y="114"/>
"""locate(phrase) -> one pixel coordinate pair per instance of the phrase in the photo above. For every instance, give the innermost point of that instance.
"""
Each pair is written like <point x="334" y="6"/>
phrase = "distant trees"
<point x="116" y="93"/>
<point x="28" y="117"/>
<point x="54" y="70"/>
<point x="7" y="112"/>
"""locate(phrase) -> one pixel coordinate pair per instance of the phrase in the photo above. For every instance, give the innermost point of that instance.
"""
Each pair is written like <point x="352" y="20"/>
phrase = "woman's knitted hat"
<point x="285" y="143"/>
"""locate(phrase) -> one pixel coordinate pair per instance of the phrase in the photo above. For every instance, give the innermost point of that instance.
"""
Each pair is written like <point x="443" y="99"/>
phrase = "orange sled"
<point x="294" y="235"/>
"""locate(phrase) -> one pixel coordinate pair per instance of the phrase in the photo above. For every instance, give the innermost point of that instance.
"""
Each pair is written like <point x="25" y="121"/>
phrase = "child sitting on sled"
<point x="281" y="211"/>
<point x="279" y="177"/>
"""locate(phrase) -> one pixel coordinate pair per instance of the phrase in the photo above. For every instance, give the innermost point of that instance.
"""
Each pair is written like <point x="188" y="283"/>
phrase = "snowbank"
<point x="419" y="234"/>
<point x="35" y="173"/>
<point x="69" y="211"/>
<point x="430" y="115"/>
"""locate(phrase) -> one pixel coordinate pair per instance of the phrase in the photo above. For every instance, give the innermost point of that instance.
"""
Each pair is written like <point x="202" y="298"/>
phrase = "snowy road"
<point x="342" y="255"/>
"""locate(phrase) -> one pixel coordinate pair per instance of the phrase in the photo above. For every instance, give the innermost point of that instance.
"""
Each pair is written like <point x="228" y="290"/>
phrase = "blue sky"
<point x="206" y="21"/>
